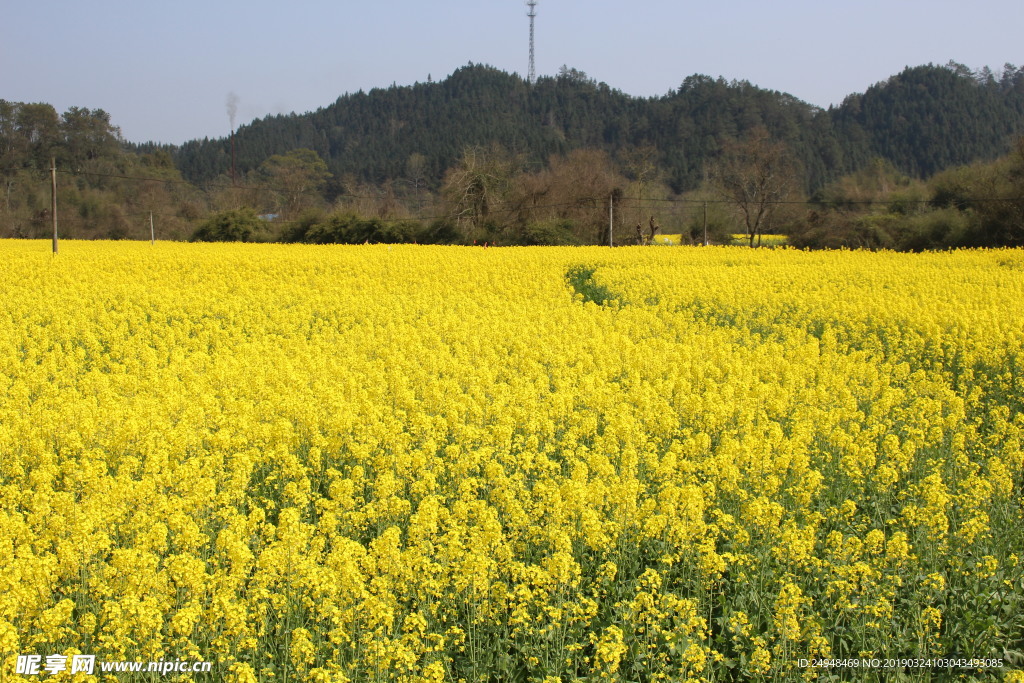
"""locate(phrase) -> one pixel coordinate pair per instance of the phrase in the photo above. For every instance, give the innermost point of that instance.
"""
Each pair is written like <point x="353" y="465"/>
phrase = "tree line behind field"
<point x="926" y="159"/>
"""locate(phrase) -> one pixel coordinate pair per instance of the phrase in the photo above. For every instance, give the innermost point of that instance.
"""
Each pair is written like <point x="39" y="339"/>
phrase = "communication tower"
<point x="532" y="14"/>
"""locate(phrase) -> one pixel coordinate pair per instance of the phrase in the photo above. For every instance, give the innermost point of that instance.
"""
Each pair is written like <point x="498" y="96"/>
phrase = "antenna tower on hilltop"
<point x="532" y="14"/>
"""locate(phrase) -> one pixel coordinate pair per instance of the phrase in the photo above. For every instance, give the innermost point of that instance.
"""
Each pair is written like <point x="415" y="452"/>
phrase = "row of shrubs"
<point x="827" y="229"/>
<point x="935" y="228"/>
<point x="245" y="225"/>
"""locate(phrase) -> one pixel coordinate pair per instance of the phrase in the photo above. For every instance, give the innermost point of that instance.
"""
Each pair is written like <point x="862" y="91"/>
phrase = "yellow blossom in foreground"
<point x="441" y="463"/>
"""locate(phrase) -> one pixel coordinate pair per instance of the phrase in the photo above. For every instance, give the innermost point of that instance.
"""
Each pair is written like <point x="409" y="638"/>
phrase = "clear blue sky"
<point x="165" y="70"/>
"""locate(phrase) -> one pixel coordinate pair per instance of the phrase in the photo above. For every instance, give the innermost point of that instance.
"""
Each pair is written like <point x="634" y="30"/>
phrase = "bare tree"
<point x="755" y="175"/>
<point x="580" y="184"/>
<point x="478" y="186"/>
<point x="297" y="178"/>
<point x="416" y="171"/>
<point x="654" y="228"/>
<point x="641" y="164"/>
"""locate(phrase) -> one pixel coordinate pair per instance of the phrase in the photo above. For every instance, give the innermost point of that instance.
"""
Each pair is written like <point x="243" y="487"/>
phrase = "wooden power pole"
<point x="705" y="224"/>
<point x="611" y="218"/>
<point x="53" y="199"/>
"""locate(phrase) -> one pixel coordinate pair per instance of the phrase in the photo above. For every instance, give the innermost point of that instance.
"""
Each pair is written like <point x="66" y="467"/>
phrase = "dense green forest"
<point x="922" y="120"/>
<point x="484" y="155"/>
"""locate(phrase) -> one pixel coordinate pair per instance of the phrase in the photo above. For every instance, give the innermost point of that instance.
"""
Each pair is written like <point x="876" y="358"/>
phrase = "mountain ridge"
<point x="922" y="120"/>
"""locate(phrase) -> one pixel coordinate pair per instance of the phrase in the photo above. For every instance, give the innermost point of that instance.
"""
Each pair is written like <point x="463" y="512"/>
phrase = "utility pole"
<point x="705" y="224"/>
<point x="53" y="199"/>
<point x="611" y="218"/>
<point x="532" y="74"/>
<point x="152" y="230"/>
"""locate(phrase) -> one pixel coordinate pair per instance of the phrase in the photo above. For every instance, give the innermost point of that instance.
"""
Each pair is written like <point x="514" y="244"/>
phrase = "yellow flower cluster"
<point x="462" y="464"/>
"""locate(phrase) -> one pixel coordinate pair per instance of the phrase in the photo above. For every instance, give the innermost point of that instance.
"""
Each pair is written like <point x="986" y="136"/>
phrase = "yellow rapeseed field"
<point x="374" y="463"/>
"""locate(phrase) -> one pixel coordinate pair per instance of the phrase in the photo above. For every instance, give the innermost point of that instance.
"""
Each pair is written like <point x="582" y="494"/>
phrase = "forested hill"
<point x="930" y="118"/>
<point x="921" y="120"/>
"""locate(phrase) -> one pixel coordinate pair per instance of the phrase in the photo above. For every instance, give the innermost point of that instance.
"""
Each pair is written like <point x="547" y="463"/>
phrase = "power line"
<point x="624" y="200"/>
<point x="587" y="203"/>
<point x="205" y="186"/>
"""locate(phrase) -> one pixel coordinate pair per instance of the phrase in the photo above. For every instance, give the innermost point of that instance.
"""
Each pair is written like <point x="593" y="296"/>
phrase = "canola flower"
<point x="550" y="464"/>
